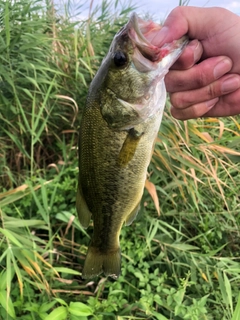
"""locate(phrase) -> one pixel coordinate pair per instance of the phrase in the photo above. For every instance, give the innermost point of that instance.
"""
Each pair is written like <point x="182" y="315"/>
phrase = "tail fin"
<point x="97" y="262"/>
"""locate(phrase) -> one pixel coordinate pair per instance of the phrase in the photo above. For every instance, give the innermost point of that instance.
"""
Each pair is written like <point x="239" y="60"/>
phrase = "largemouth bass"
<point x="119" y="125"/>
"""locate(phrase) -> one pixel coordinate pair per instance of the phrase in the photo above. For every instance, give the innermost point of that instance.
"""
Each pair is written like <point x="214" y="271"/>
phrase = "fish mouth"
<point x="146" y="55"/>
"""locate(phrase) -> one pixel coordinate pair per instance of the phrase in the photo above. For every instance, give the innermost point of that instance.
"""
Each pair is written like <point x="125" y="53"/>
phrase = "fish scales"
<point x="110" y="183"/>
<point x="119" y="125"/>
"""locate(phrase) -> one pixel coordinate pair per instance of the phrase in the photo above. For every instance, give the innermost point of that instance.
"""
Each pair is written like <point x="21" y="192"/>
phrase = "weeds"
<point x="180" y="256"/>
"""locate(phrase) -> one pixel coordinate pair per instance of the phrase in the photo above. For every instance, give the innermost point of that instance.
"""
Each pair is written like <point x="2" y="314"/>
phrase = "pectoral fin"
<point x="131" y="217"/>
<point x="84" y="215"/>
<point x="129" y="147"/>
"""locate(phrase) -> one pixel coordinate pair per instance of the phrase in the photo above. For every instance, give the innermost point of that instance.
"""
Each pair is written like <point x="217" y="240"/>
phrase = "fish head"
<point x="130" y="81"/>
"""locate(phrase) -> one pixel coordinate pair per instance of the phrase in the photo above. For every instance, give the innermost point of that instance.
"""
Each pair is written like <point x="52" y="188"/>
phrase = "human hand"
<point x="205" y="81"/>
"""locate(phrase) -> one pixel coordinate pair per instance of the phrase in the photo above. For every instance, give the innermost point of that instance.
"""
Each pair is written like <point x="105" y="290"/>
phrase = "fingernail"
<point x="159" y="39"/>
<point x="211" y="103"/>
<point x="193" y="43"/>
<point x="230" y="84"/>
<point x="222" y="67"/>
<point x="195" y="46"/>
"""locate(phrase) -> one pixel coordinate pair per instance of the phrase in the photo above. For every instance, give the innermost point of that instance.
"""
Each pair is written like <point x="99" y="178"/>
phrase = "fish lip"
<point x="141" y="34"/>
<point x="139" y="39"/>
<point x="134" y="21"/>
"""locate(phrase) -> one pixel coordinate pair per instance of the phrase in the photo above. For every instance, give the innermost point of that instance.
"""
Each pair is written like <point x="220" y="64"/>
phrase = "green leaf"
<point x="6" y="303"/>
<point x="8" y="274"/>
<point x="46" y="306"/>
<point x="236" y="314"/>
<point x="67" y="270"/>
<point x="228" y="291"/>
<point x="8" y="234"/>
<point x="7" y="24"/>
<point x="65" y="216"/>
<point x="42" y="315"/>
<point x="79" y="309"/>
<point x="179" y="295"/>
<point x="22" y="223"/>
<point x="60" y="313"/>
<point x="72" y="317"/>
<point x="159" y="316"/>
<point x="184" y="246"/>
<point x="61" y="301"/>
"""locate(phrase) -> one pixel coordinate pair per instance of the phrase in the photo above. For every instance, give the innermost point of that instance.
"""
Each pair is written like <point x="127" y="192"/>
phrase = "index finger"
<point x="196" y="22"/>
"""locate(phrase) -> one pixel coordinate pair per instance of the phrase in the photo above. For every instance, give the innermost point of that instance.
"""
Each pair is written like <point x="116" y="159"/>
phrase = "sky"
<point x="158" y="9"/>
<point x="161" y="8"/>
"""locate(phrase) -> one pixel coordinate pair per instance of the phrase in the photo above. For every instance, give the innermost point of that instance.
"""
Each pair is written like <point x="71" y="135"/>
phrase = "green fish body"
<point x="120" y="122"/>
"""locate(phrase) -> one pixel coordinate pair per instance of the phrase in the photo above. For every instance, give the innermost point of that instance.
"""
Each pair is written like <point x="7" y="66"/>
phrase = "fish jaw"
<point x="142" y="76"/>
<point x="147" y="56"/>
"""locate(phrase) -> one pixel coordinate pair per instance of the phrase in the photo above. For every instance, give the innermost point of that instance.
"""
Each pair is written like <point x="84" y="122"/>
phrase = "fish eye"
<point x="120" y="58"/>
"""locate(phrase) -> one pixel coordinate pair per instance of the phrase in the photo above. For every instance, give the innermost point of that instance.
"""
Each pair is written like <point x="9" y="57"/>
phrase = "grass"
<point x="180" y="256"/>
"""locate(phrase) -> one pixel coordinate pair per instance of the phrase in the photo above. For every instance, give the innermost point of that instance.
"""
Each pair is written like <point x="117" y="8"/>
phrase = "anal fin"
<point x="131" y="217"/>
